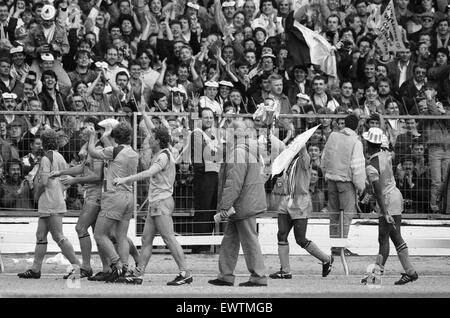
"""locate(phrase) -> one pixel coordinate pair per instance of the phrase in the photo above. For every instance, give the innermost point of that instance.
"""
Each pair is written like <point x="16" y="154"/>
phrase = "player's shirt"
<point x="380" y="169"/>
<point x="52" y="199"/>
<point x="88" y="168"/>
<point x="161" y="184"/>
<point x="120" y="164"/>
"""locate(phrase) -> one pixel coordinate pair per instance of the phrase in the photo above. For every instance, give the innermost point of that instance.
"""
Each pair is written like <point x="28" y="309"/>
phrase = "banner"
<point x="389" y="33"/>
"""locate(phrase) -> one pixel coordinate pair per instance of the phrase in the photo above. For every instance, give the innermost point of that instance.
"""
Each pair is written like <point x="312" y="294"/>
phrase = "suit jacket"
<point x="394" y="72"/>
<point x="15" y="86"/>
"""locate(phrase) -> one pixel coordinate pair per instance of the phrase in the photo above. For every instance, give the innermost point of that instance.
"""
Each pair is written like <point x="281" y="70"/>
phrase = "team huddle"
<point x="110" y="168"/>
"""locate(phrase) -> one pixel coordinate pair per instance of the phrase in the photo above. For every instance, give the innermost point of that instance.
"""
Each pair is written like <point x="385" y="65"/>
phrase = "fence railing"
<point x="420" y="163"/>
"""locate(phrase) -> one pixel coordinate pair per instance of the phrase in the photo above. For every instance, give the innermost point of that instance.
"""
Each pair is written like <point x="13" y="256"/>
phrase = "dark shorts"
<point x="117" y="205"/>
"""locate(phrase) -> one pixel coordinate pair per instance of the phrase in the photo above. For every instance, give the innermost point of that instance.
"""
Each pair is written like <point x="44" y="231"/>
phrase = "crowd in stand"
<point x="230" y="57"/>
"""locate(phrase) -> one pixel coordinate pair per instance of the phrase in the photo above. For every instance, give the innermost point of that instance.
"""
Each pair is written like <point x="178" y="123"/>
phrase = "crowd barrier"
<point x="413" y="165"/>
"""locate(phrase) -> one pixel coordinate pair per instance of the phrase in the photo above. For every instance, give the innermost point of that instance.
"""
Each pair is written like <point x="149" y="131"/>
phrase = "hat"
<point x="226" y="83"/>
<point x="228" y="4"/>
<point x="100" y="64"/>
<point x="427" y="14"/>
<point x="374" y="135"/>
<point x="17" y="49"/>
<point x="304" y="96"/>
<point x="9" y="95"/>
<point x="268" y="55"/>
<point x="47" y="57"/>
<point x="212" y="84"/>
<point x="48" y="12"/>
<point x="17" y="122"/>
<point x="108" y="122"/>
<point x="193" y="5"/>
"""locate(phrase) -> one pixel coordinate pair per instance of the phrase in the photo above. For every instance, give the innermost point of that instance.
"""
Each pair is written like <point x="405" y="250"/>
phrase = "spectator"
<point x="15" y="192"/>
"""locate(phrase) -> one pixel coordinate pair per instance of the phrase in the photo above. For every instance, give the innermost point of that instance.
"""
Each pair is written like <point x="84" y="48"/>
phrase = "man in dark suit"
<point x="401" y="69"/>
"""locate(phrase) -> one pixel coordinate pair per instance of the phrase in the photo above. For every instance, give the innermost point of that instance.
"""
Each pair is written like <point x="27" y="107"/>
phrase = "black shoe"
<point x="326" y="267"/>
<point x="281" y="275"/>
<point x="219" y="282"/>
<point x="129" y="278"/>
<point x="83" y="273"/>
<point x="181" y="280"/>
<point x="252" y="284"/>
<point x="406" y="279"/>
<point x="99" y="277"/>
<point x="30" y="274"/>
<point x="347" y="252"/>
<point x="114" y="274"/>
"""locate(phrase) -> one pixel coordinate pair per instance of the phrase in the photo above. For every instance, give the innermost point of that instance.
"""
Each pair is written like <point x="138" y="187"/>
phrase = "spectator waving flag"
<point x="389" y="33"/>
<point x="285" y="158"/>
<point x="308" y="47"/>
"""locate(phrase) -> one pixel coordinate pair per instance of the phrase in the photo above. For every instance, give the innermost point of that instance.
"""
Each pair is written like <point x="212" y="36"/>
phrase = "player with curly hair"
<point x="51" y="206"/>
<point x="161" y="205"/>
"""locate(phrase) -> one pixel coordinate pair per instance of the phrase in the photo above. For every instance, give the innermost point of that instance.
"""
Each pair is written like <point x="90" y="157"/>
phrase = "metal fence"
<point x="420" y="148"/>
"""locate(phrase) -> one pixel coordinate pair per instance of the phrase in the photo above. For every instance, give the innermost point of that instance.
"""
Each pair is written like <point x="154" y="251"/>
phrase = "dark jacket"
<point x="47" y="102"/>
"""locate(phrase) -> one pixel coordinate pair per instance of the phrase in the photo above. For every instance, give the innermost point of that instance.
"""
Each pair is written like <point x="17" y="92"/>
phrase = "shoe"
<point x="83" y="273"/>
<point x="366" y="278"/>
<point x="129" y="278"/>
<point x="180" y="280"/>
<point x="347" y="252"/>
<point x="406" y="279"/>
<point x="114" y="274"/>
<point x="30" y="274"/>
<point x="252" y="284"/>
<point x="280" y="275"/>
<point x="219" y="282"/>
<point x="326" y="267"/>
<point x="99" y="277"/>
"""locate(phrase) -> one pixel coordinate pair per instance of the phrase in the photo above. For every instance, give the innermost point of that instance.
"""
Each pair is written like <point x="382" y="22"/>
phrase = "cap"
<point x="108" y="122"/>
<point x="9" y="96"/>
<point x="48" y="12"/>
<point x="17" y="49"/>
<point x="212" y="84"/>
<point x="17" y="122"/>
<point x="193" y="5"/>
<point x="47" y="57"/>
<point x="100" y="64"/>
<point x="268" y="55"/>
<point x="374" y="135"/>
<point x="226" y="83"/>
<point x="427" y="14"/>
<point x="228" y="4"/>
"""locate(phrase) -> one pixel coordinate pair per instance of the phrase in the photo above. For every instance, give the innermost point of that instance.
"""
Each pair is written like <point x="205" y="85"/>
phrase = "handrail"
<point x="72" y="113"/>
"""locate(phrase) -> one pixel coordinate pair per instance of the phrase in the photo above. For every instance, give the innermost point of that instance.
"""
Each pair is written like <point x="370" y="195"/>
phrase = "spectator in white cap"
<point x="49" y="37"/>
<point x="209" y="98"/>
<point x="19" y="69"/>
<point x="224" y="91"/>
<point x="7" y="82"/>
<point x="223" y="14"/>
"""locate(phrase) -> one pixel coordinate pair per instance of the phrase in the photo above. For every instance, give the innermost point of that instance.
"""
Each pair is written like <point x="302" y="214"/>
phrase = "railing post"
<point x="344" y="261"/>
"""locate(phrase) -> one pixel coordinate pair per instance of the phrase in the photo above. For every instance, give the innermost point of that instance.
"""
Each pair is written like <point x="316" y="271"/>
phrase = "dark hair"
<point x="93" y="120"/>
<point x="12" y="162"/>
<point x="49" y="73"/>
<point x="49" y="139"/>
<point x="351" y="121"/>
<point x="122" y="133"/>
<point x="162" y="135"/>
<point x="274" y="4"/>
